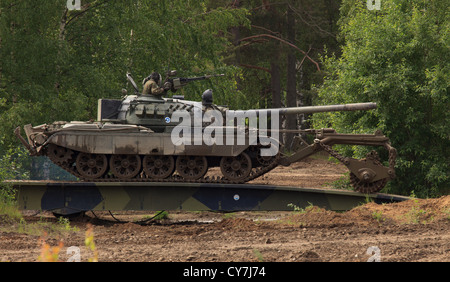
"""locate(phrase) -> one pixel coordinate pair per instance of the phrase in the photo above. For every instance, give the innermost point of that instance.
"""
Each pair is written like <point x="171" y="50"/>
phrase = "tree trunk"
<point x="275" y="83"/>
<point x="276" y="89"/>
<point x="291" y="91"/>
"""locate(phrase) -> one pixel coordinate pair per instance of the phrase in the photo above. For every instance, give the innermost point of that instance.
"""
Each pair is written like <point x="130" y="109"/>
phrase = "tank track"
<point x="255" y="173"/>
<point x="65" y="161"/>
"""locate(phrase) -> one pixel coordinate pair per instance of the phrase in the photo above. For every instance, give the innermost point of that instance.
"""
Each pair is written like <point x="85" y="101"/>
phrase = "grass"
<point x="447" y="212"/>
<point x="52" y="254"/>
<point x="342" y="183"/>
<point x="229" y="215"/>
<point x="378" y="216"/>
<point x="12" y="220"/>
<point x="9" y="212"/>
<point x="40" y="227"/>
<point x="258" y="255"/>
<point x="415" y="214"/>
<point x="298" y="209"/>
<point x="8" y="206"/>
<point x="160" y="215"/>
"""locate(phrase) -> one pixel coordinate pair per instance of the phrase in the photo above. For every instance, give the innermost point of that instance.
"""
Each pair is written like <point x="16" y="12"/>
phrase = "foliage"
<point x="90" y="244"/>
<point x="258" y="47"/>
<point x="48" y="253"/>
<point x="342" y="183"/>
<point x="399" y="58"/>
<point x="55" y="63"/>
<point x="13" y="165"/>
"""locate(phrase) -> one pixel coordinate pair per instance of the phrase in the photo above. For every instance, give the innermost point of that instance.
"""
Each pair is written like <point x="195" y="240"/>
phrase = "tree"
<point x="398" y="57"/>
<point x="279" y="53"/>
<point x="55" y="63"/>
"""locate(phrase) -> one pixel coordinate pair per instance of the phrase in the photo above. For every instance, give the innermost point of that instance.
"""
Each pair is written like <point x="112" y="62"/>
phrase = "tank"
<point x="146" y="137"/>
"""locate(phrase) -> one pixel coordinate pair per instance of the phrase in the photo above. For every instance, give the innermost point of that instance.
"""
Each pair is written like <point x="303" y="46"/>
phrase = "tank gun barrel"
<point x="321" y="109"/>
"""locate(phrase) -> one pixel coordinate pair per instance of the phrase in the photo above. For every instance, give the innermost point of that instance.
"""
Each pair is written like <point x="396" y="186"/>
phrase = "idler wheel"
<point x="125" y="166"/>
<point x="265" y="160"/>
<point x="191" y="167"/>
<point x="158" y="167"/>
<point x="91" y="165"/>
<point x="236" y="168"/>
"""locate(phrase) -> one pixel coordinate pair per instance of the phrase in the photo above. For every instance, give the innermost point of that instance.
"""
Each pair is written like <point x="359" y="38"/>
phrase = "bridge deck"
<point x="73" y="197"/>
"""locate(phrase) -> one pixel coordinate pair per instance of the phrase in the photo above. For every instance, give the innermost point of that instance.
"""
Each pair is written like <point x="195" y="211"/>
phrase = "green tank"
<point x="145" y="137"/>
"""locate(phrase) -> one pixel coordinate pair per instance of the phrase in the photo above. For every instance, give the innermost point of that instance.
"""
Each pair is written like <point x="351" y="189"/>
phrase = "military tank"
<point x="146" y="137"/>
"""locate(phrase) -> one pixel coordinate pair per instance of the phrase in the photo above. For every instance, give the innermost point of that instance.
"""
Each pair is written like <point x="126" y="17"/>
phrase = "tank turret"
<point x="146" y="137"/>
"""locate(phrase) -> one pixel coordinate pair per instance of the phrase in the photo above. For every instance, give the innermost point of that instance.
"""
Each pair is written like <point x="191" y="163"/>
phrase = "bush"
<point x="398" y="57"/>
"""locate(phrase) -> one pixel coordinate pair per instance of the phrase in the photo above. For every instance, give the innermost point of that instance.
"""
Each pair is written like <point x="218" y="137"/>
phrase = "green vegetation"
<point x="342" y="183"/>
<point x="17" y="223"/>
<point x="399" y="58"/>
<point x="160" y="215"/>
<point x="309" y="208"/>
<point x="56" y="63"/>
<point x="378" y="216"/>
<point x="258" y="255"/>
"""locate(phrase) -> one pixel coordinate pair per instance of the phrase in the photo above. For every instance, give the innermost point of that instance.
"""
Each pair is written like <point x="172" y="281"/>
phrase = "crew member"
<point x="152" y="85"/>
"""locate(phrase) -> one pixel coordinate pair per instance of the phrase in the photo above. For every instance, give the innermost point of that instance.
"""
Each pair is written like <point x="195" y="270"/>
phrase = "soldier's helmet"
<point x="155" y="76"/>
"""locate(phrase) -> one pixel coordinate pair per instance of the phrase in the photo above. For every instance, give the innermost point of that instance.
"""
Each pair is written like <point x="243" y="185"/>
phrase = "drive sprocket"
<point x="59" y="155"/>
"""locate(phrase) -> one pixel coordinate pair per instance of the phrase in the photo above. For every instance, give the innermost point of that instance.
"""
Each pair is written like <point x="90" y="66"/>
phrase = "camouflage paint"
<point x="73" y="197"/>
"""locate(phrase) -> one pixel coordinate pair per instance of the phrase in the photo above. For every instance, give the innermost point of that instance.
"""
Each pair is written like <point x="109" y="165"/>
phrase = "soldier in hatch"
<point x="152" y="85"/>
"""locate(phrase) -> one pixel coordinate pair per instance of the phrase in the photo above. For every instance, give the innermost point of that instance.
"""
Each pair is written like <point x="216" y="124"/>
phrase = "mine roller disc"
<point x="191" y="167"/>
<point x="236" y="168"/>
<point x="158" y="167"/>
<point x="367" y="187"/>
<point x="91" y="166"/>
<point x="125" y="166"/>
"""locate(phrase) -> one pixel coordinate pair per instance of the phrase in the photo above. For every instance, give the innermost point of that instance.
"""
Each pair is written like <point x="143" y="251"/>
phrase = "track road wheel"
<point x="125" y="166"/>
<point x="91" y="166"/>
<point x="158" y="167"/>
<point x="236" y="168"/>
<point x="367" y="187"/>
<point x="191" y="167"/>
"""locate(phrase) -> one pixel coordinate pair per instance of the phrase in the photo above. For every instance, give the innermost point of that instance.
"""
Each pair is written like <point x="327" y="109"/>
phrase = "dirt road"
<point x="414" y="230"/>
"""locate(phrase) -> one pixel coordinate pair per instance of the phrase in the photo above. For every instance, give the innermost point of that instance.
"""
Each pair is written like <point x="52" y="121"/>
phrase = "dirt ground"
<point x="410" y="231"/>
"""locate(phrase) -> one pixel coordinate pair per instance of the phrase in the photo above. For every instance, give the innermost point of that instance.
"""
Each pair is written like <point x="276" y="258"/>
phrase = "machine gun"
<point x="175" y="83"/>
<point x="179" y="82"/>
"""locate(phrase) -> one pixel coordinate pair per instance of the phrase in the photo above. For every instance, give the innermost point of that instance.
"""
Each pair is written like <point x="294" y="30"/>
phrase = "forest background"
<point x="57" y="60"/>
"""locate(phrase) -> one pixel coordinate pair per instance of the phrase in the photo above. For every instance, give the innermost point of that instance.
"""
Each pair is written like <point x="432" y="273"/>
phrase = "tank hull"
<point x="95" y="138"/>
<point x="117" y="152"/>
<point x="141" y="143"/>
